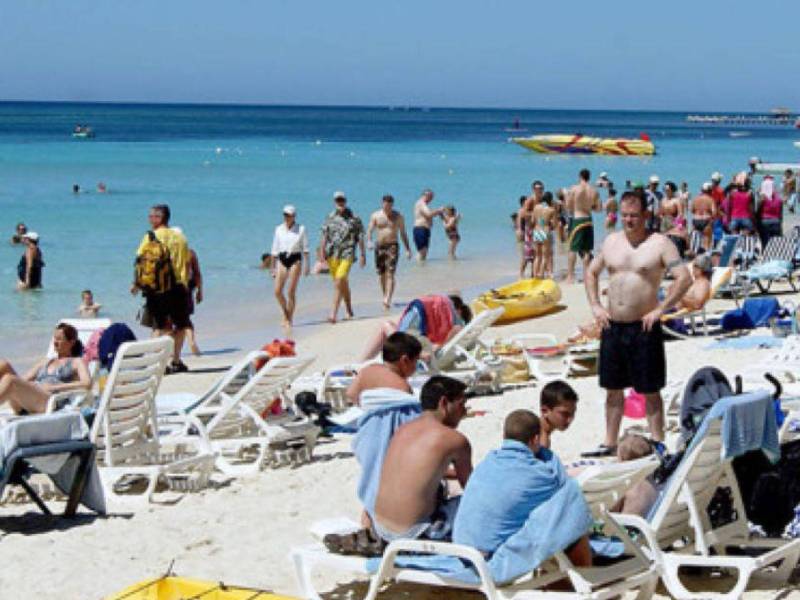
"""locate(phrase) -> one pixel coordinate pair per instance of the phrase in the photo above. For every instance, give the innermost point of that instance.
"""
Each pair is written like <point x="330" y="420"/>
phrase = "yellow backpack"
<point x="152" y="271"/>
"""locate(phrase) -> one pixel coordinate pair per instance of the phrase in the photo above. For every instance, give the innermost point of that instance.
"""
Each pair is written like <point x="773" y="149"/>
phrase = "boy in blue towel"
<point x="412" y="500"/>
<point x="558" y="403"/>
<point x="511" y="484"/>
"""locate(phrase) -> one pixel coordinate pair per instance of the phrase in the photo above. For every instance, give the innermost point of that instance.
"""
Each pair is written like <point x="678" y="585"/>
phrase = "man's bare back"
<point x="635" y="273"/>
<point x="703" y="207"/>
<point x="418" y="457"/>
<point x="387" y="226"/>
<point x="582" y="199"/>
<point x="376" y="376"/>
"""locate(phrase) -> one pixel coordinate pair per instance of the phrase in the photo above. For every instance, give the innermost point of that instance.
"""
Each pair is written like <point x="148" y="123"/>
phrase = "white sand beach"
<point x="241" y="530"/>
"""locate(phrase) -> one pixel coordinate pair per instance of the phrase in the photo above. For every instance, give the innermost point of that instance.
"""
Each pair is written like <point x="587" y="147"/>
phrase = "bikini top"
<point x="64" y="373"/>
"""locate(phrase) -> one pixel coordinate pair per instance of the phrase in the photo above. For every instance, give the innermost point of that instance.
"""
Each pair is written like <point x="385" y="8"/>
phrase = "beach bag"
<point x="274" y="349"/>
<point x="635" y="405"/>
<point x="152" y="272"/>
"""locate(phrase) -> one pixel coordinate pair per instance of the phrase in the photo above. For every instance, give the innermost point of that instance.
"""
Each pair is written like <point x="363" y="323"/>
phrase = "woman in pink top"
<point x="771" y="211"/>
<point x="741" y="206"/>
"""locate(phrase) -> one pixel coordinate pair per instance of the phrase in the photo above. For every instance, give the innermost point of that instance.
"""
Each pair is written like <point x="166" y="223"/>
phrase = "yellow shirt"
<point x="178" y="252"/>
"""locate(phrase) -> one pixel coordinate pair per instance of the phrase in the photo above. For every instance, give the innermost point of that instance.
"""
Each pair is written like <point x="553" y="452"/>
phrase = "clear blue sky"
<point x="704" y="54"/>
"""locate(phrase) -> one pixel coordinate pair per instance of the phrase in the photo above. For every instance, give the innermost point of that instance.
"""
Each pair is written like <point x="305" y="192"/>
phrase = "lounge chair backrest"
<point x="720" y="277"/>
<point x="682" y="510"/>
<point x="727" y="246"/>
<point x="604" y="485"/>
<point x="468" y="336"/>
<point x="780" y="248"/>
<point x="124" y="428"/>
<point x="268" y="383"/>
<point x="85" y="329"/>
<point x="231" y="382"/>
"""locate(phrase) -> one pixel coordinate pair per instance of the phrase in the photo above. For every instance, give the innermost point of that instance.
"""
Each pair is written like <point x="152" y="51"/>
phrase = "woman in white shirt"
<point x="289" y="254"/>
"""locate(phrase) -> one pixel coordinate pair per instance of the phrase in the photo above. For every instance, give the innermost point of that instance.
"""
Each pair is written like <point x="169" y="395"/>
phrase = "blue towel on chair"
<point x="755" y="312"/>
<point x="375" y="431"/>
<point x="517" y="507"/>
<point x="773" y="269"/>
<point x="748" y="423"/>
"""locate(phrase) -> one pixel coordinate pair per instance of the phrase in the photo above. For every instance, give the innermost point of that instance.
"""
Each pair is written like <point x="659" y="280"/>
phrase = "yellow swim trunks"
<point x="339" y="267"/>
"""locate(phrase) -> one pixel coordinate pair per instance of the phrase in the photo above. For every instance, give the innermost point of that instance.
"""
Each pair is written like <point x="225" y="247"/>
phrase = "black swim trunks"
<point x="632" y="357"/>
<point x="386" y="256"/>
<point x="287" y="260"/>
<point x="170" y="308"/>
<point x="700" y="224"/>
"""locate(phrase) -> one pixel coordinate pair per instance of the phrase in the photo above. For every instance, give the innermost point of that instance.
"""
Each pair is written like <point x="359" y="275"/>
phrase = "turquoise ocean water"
<point x="226" y="171"/>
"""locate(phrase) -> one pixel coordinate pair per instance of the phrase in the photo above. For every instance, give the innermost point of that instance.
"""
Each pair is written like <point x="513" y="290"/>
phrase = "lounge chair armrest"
<point x="639" y="524"/>
<point x="461" y="551"/>
<point x="55" y="401"/>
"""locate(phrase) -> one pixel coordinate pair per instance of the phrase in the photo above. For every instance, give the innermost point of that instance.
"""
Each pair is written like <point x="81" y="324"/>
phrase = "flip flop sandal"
<point x="361" y="543"/>
<point x="601" y="451"/>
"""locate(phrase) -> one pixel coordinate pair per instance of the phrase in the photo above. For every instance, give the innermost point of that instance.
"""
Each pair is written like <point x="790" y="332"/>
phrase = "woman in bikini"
<point x="451" y="218"/>
<point x="673" y="221"/>
<point x="289" y="252"/>
<point x="544" y="223"/>
<point x="28" y="394"/>
<point x="611" y="209"/>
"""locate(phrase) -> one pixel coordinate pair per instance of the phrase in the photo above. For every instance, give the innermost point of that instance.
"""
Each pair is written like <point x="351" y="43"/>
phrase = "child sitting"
<point x="558" y="403"/>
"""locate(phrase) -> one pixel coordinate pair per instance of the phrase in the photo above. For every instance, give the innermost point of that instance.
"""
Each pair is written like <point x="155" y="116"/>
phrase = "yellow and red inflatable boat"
<point x="584" y="144"/>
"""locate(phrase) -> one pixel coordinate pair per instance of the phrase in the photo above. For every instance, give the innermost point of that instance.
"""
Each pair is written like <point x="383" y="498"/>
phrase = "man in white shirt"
<point x="289" y="252"/>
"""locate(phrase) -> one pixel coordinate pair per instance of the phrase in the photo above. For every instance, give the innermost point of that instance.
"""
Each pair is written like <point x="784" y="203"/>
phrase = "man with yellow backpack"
<point x="161" y="274"/>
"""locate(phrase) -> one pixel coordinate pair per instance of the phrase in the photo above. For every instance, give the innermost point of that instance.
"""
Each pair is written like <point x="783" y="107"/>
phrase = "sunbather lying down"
<point x="66" y="372"/>
<point x="436" y="318"/>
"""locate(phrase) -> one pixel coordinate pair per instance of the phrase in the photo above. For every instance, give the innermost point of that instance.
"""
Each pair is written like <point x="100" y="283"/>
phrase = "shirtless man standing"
<point x="411" y="502"/>
<point x="703" y="214"/>
<point x="423" y="221"/>
<point x="632" y="344"/>
<point x="388" y="223"/>
<point x="582" y="199"/>
<point x="400" y="354"/>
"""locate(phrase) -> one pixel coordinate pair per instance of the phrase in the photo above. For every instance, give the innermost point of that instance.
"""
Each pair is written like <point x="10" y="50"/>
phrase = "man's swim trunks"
<point x="386" y="256"/>
<point x="632" y="357"/>
<point x="581" y="236"/>
<point x="422" y="238"/>
<point x="339" y="267"/>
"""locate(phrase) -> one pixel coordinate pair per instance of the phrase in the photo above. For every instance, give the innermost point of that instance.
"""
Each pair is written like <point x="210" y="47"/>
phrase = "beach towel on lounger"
<point x="755" y="312"/>
<point x="516" y="507"/>
<point x="375" y="430"/>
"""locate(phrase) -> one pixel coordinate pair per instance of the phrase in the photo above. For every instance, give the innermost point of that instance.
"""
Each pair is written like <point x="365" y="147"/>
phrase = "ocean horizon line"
<point x="398" y="107"/>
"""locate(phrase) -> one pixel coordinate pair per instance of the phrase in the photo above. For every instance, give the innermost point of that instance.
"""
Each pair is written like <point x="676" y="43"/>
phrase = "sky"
<point x="709" y="55"/>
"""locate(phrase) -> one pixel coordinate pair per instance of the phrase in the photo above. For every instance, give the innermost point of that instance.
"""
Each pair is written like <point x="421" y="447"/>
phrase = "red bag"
<point x="275" y="348"/>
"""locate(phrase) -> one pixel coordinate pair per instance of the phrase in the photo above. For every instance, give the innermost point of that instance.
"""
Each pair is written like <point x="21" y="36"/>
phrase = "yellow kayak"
<point x="523" y="299"/>
<point x="182" y="588"/>
<point x="584" y="144"/>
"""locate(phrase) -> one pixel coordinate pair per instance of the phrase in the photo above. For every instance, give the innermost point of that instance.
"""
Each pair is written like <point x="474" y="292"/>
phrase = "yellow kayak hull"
<point x="179" y="588"/>
<point x="584" y="144"/>
<point x="523" y="299"/>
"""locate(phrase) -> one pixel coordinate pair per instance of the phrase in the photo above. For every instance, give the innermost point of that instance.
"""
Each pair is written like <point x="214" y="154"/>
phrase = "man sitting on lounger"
<point x="510" y="486"/>
<point x="400" y="354"/>
<point x="412" y="501"/>
<point x="699" y="292"/>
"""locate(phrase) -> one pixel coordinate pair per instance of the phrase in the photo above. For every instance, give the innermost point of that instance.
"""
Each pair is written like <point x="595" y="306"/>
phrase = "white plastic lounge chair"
<point x="458" y="357"/>
<point x="575" y="359"/>
<point x="78" y="399"/>
<point x="603" y="486"/>
<point x="231" y="382"/>
<point x="681" y="515"/>
<point x="126" y="434"/>
<point x="241" y="429"/>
